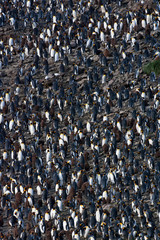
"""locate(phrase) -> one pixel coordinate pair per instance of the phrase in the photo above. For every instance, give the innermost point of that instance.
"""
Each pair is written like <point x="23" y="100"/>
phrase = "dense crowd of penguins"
<point x="79" y="120"/>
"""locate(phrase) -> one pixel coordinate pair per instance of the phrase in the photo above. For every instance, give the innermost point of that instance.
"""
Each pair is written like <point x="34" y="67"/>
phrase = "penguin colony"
<point x="79" y="121"/>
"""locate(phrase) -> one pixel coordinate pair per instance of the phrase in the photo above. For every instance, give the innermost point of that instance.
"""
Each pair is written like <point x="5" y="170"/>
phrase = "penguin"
<point x="65" y="225"/>
<point x="30" y="200"/>
<point x="12" y="221"/>
<point x="60" y="205"/>
<point x="47" y="216"/>
<point x="86" y="231"/>
<point x="92" y="221"/>
<point x="7" y="97"/>
<point x="30" y="191"/>
<point x="53" y="213"/>
<point x="56" y="56"/>
<point x="31" y="129"/>
<point x="48" y="155"/>
<point x="1" y="118"/>
<point x="42" y="225"/>
<point x="20" y="155"/>
<point x="5" y="155"/>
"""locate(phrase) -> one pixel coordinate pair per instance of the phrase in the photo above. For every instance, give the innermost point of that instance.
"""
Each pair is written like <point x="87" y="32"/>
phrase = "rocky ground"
<point x="128" y="108"/>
